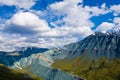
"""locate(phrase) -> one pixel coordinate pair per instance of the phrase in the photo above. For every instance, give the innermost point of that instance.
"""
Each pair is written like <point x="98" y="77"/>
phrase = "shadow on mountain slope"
<point x="9" y="74"/>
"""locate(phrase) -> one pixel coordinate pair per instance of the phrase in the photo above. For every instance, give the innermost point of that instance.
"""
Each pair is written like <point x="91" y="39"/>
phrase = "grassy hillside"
<point x="101" y="69"/>
<point x="9" y="74"/>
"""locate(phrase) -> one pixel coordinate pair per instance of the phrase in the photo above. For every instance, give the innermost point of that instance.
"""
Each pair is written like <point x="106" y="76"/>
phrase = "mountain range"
<point x="97" y="57"/>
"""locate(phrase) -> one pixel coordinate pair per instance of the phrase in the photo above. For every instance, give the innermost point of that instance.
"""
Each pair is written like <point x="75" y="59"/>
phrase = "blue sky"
<point x="100" y="2"/>
<point x="44" y="4"/>
<point x="53" y="23"/>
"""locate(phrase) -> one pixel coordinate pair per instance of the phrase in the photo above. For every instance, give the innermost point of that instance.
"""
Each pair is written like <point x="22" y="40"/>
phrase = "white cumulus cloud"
<point x="19" y="3"/>
<point x="76" y="17"/>
<point x="116" y="9"/>
<point x="117" y="20"/>
<point x="26" y="23"/>
<point x="105" y="26"/>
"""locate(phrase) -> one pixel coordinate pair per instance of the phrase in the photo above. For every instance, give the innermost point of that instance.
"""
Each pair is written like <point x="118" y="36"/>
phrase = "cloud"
<point x="116" y="9"/>
<point x="76" y="18"/>
<point x="19" y="3"/>
<point x="25" y="29"/>
<point x="115" y="24"/>
<point x="105" y="26"/>
<point x="117" y="20"/>
<point x="70" y="22"/>
<point x="26" y="23"/>
<point x="11" y="42"/>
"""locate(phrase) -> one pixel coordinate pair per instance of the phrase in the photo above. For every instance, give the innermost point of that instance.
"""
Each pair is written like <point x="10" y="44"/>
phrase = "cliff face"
<point x="96" y="46"/>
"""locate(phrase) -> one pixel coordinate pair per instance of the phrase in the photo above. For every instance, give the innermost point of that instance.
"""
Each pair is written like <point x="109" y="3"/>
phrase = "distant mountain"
<point x="8" y="58"/>
<point x="31" y="50"/>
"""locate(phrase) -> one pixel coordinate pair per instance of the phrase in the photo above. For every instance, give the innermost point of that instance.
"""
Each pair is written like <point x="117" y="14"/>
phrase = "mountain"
<point x="30" y="58"/>
<point x="96" y="52"/>
<point x="8" y="58"/>
<point x="96" y="46"/>
<point x="40" y="65"/>
<point x="97" y="57"/>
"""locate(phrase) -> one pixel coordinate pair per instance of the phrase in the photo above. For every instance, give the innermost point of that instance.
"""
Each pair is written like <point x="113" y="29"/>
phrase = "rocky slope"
<point x="40" y="65"/>
<point x="96" y="46"/>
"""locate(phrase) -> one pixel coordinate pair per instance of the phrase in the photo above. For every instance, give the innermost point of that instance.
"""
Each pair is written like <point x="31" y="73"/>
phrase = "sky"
<point x="54" y="23"/>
